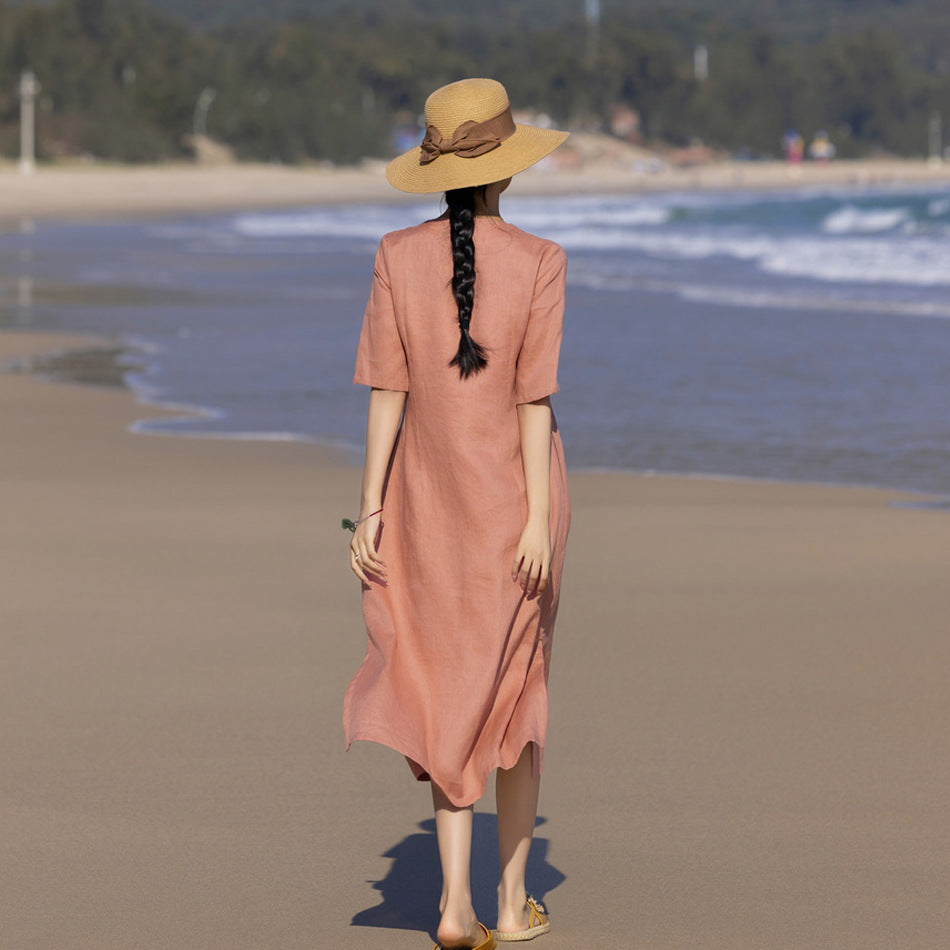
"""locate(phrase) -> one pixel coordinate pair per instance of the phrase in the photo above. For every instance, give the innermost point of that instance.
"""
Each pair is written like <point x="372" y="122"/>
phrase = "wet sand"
<point x="103" y="191"/>
<point x="748" y="743"/>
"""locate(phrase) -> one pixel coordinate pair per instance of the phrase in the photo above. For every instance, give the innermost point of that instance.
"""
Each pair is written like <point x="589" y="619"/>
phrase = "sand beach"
<point x="74" y="190"/>
<point x="747" y="743"/>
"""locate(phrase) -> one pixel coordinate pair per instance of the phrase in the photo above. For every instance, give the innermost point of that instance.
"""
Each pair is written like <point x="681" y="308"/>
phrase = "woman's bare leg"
<point x="458" y="926"/>
<point x="516" y="795"/>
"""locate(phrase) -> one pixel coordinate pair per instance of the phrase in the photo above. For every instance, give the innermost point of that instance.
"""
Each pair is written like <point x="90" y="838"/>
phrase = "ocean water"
<point x="800" y="335"/>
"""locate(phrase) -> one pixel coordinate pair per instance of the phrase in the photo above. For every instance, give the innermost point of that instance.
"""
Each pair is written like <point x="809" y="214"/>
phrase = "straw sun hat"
<point x="470" y="140"/>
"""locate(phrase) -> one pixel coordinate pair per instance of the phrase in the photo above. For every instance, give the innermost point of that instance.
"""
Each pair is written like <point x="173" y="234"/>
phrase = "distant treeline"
<point x="120" y="80"/>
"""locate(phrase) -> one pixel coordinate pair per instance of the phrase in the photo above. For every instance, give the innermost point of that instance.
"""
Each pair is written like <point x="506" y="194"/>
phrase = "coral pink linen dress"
<point x="457" y="661"/>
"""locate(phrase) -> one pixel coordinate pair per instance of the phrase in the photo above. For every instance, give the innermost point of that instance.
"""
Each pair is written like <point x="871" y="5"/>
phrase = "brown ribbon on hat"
<point x="470" y="139"/>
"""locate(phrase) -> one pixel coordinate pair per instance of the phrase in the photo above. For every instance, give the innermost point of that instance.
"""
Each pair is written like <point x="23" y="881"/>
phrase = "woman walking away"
<point x="464" y="510"/>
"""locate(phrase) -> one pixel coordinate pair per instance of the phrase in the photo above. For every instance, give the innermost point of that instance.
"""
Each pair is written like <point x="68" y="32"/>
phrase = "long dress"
<point x="457" y="661"/>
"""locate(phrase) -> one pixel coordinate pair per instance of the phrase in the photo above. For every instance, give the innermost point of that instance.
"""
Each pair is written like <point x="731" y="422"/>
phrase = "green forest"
<point x="328" y="80"/>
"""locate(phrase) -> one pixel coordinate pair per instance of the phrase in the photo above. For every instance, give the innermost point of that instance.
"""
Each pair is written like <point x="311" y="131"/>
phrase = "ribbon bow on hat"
<point x="493" y="145"/>
<point x="470" y="139"/>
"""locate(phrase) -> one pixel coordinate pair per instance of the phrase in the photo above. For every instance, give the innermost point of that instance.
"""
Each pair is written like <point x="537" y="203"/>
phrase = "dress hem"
<point x="403" y="749"/>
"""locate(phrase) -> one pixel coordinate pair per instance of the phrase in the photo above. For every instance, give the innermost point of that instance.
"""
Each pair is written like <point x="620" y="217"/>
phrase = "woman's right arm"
<point x="382" y="425"/>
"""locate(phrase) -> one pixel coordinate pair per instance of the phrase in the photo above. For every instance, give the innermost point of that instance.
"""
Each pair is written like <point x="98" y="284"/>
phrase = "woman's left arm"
<point x="532" y="564"/>
<point x="382" y="426"/>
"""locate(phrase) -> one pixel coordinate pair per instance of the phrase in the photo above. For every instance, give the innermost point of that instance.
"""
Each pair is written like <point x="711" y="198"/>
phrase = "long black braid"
<point x="470" y="357"/>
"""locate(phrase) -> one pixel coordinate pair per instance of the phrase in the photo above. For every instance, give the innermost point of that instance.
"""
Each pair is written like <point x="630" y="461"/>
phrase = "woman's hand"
<point x="532" y="565"/>
<point x="363" y="556"/>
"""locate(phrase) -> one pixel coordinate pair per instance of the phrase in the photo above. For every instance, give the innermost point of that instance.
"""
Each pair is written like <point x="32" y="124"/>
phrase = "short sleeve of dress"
<point x="536" y="372"/>
<point x="380" y="357"/>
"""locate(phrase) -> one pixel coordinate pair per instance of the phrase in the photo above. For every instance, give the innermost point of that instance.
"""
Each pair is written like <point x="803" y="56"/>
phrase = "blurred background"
<point x="340" y="80"/>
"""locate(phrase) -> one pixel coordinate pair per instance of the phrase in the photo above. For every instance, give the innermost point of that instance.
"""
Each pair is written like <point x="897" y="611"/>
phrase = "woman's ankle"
<point x="512" y="910"/>
<point x="512" y="896"/>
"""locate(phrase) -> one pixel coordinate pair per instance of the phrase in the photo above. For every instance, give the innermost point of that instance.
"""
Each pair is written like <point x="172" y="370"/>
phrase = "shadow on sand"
<point x="410" y="891"/>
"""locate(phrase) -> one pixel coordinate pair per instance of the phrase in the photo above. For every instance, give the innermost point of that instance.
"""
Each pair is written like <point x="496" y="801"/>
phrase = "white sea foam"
<point x="902" y="260"/>
<point x="361" y="221"/>
<point x="851" y="243"/>
<point x="372" y="221"/>
<point x="764" y="299"/>
<point x="915" y="261"/>
<point x="593" y="216"/>
<point x="851" y="219"/>
<point x="694" y="245"/>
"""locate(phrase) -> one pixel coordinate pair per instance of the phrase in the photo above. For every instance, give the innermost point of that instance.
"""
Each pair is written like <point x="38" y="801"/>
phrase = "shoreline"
<point x="76" y="345"/>
<point x="32" y="364"/>
<point x="117" y="191"/>
<point x="179" y="626"/>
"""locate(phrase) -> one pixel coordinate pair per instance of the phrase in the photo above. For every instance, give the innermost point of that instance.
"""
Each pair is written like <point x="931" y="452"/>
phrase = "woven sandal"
<point x="487" y="944"/>
<point x="538" y="924"/>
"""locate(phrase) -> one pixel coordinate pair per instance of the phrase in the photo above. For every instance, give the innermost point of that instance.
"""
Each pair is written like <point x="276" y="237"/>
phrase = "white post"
<point x="28" y="90"/>
<point x="701" y="62"/>
<point x="935" y="136"/>
<point x="205" y="98"/>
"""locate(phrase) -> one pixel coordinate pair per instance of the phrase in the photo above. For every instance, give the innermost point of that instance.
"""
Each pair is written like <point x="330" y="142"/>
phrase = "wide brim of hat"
<point x="527" y="145"/>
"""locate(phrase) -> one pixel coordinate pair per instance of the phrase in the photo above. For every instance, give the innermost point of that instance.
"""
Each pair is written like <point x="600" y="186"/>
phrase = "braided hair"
<point x="470" y="357"/>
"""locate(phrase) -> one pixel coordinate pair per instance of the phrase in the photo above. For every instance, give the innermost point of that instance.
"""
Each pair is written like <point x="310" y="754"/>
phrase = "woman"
<point x="464" y="509"/>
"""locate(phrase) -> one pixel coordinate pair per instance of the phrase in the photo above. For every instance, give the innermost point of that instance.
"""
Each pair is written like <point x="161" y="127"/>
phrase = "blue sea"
<point x="799" y="335"/>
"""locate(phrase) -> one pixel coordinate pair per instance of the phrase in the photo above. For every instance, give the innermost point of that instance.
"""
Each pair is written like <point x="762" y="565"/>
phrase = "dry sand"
<point x="116" y="190"/>
<point x="748" y="743"/>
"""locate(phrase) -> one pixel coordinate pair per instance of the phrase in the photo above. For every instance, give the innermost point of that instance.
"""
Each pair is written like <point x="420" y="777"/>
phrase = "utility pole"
<point x="592" y="55"/>
<point x="592" y="16"/>
<point x="28" y="89"/>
